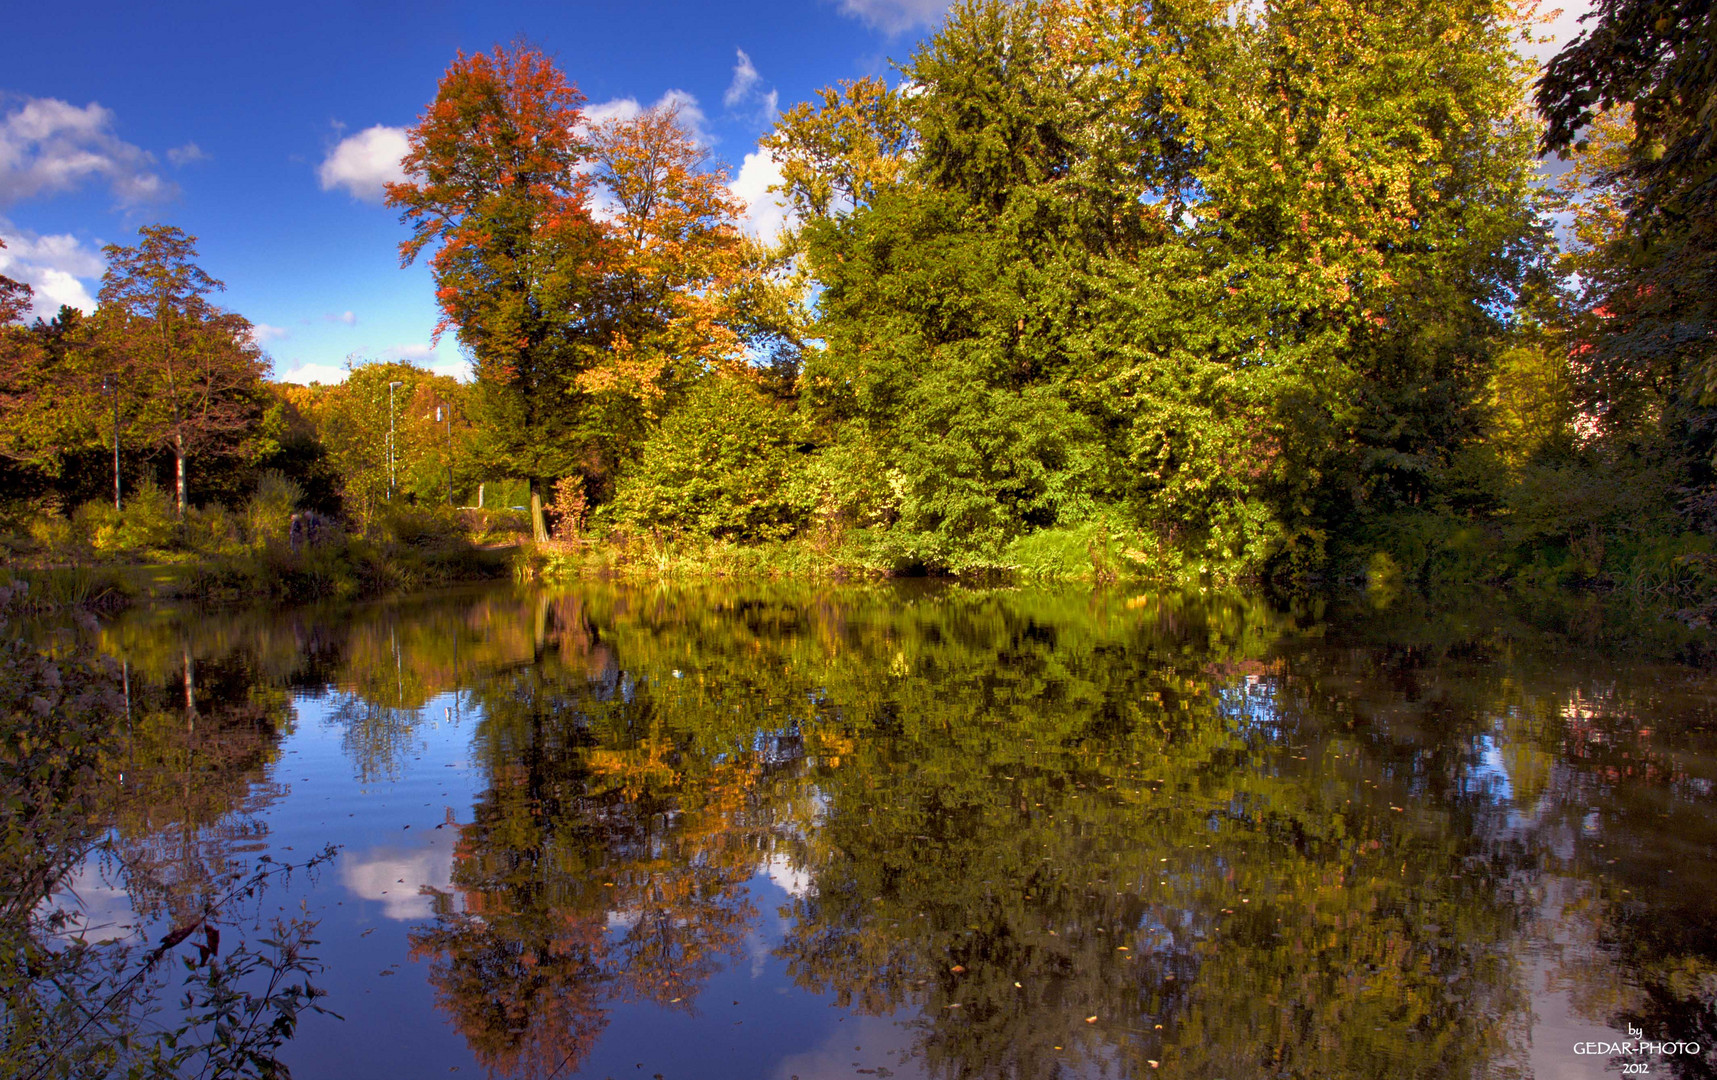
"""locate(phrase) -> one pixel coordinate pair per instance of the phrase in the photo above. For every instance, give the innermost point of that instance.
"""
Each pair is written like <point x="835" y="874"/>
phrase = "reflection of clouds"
<point x="886" y="1043"/>
<point x="99" y="909"/>
<point x="397" y="878"/>
<point x="794" y="882"/>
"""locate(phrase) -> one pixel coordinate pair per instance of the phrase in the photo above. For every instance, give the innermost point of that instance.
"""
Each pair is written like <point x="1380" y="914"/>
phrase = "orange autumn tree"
<point x="495" y="185"/>
<point x="676" y="263"/>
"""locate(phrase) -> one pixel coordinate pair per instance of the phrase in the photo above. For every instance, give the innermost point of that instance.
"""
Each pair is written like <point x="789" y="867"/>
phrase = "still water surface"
<point x="920" y="832"/>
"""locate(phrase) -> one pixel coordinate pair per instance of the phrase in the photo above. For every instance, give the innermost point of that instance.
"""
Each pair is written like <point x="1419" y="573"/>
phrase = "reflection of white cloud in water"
<point x="100" y="909"/>
<point x="767" y="935"/>
<point x="885" y="1043"/>
<point x="795" y="883"/>
<point x="397" y="877"/>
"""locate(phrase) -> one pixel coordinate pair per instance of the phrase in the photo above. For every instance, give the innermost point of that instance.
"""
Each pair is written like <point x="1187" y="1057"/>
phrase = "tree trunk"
<point x="179" y="462"/>
<point x="539" y="529"/>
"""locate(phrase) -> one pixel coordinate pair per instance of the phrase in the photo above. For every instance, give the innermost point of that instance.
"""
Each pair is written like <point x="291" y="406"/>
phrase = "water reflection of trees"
<point x="187" y="779"/>
<point x="607" y="861"/>
<point x="1246" y="843"/>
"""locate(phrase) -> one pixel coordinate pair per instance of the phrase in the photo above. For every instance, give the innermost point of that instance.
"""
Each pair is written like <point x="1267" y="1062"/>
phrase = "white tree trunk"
<point x="179" y="461"/>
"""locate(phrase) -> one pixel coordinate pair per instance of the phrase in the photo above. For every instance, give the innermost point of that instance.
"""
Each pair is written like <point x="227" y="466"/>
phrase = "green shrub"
<point x="268" y="515"/>
<point x="212" y="530"/>
<point x="1082" y="551"/>
<point x="847" y="484"/>
<point x="418" y="525"/>
<point x="495" y="526"/>
<point x="719" y="466"/>
<point x="99" y="526"/>
<point x="151" y="519"/>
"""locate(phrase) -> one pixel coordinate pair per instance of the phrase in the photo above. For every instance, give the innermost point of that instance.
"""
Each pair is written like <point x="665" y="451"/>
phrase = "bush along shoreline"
<point x="1674" y="577"/>
<point x="102" y="558"/>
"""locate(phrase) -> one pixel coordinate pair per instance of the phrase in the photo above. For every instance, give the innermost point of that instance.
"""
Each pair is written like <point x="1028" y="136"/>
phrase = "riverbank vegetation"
<point x="1200" y="292"/>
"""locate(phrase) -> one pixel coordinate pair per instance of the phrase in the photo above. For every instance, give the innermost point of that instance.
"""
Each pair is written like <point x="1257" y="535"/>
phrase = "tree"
<point x="15" y="298"/>
<point x="45" y="408"/>
<point x="200" y="368"/>
<point x="841" y="155"/>
<point x="356" y="418"/>
<point x="21" y="381"/>
<point x="721" y="466"/>
<point x="496" y="185"/>
<point x="674" y="256"/>
<point x="1631" y="98"/>
<point x="1652" y="55"/>
<point x="1234" y="274"/>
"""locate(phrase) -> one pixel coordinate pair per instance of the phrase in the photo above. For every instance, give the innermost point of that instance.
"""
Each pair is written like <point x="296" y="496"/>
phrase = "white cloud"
<point x="345" y="317"/>
<point x="691" y="115"/>
<point x="305" y="374"/>
<point x="364" y="163"/>
<point x="788" y="878"/>
<point x="261" y="333"/>
<point x="747" y="90"/>
<point x="628" y="108"/>
<point x="625" y="108"/>
<point x="99" y="906"/>
<point x="895" y="16"/>
<point x="745" y="80"/>
<point x="441" y="360"/>
<point x="60" y="269"/>
<point x="766" y="215"/>
<point x="188" y="154"/>
<point x="49" y="146"/>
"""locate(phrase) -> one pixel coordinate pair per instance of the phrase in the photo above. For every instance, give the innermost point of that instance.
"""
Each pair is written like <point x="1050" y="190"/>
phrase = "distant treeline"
<point x="1224" y="291"/>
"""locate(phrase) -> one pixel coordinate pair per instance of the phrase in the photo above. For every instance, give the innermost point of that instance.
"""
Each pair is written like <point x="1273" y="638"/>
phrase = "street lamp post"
<point x="439" y="409"/>
<point x="392" y="456"/>
<point x="111" y="383"/>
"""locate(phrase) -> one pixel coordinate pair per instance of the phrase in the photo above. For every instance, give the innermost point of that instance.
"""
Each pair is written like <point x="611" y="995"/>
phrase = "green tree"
<point x="1631" y="99"/>
<point x="1235" y="275"/>
<point x="721" y="465"/>
<point x="383" y="442"/>
<point x="199" y="368"/>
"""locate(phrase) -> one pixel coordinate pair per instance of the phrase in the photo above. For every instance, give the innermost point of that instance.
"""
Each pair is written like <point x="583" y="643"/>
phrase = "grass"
<point x="658" y="556"/>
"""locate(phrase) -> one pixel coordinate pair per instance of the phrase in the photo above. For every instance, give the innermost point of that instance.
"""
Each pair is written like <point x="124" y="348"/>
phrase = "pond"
<point x="914" y="831"/>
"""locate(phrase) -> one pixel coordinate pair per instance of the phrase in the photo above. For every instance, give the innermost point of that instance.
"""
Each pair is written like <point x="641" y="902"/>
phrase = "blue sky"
<point x="265" y="131"/>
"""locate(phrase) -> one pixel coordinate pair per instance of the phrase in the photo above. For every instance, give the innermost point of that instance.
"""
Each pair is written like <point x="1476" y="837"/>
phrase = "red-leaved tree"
<point x="495" y="188"/>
